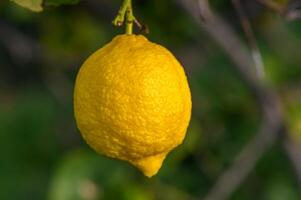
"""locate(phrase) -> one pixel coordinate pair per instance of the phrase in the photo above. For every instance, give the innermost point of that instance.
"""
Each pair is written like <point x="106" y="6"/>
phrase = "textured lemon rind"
<point x="132" y="102"/>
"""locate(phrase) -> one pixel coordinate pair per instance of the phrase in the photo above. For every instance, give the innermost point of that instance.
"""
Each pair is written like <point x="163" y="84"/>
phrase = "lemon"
<point x="132" y="102"/>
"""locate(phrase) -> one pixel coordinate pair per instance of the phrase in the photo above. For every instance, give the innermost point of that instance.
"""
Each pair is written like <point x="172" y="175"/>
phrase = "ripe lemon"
<point x="132" y="102"/>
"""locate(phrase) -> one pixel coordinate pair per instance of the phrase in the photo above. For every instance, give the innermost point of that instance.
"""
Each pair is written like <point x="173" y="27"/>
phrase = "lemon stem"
<point x="125" y="12"/>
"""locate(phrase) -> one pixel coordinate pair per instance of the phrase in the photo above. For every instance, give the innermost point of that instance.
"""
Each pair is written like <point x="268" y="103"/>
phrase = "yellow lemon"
<point x="132" y="102"/>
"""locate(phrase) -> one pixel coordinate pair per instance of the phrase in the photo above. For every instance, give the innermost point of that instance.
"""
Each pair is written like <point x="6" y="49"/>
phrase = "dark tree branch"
<point x="22" y="48"/>
<point x="223" y="35"/>
<point x="246" y="25"/>
<point x="289" y="12"/>
<point x="272" y="5"/>
<point x="24" y="51"/>
<point x="272" y="123"/>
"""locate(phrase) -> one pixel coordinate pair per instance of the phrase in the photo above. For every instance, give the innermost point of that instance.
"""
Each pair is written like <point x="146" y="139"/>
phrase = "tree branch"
<point x="247" y="28"/>
<point x="272" y="123"/>
<point x="289" y="12"/>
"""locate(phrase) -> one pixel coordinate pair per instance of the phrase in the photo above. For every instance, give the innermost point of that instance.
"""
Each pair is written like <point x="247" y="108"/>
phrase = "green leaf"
<point x="59" y="2"/>
<point x="33" y="5"/>
<point x="36" y="5"/>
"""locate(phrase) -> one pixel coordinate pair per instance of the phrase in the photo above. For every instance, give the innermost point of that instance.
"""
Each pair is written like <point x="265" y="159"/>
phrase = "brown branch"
<point x="289" y="12"/>
<point x="230" y="180"/>
<point x="20" y="47"/>
<point x="228" y="40"/>
<point x="25" y="50"/>
<point x="293" y="15"/>
<point x="272" y="5"/>
<point x="247" y="28"/>
<point x="272" y="123"/>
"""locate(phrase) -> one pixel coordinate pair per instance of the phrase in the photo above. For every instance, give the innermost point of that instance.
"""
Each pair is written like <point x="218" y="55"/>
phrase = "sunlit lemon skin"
<point x="132" y="102"/>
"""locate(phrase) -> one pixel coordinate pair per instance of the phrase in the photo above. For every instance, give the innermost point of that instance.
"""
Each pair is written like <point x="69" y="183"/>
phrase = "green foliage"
<point x="33" y="5"/>
<point x="27" y="145"/>
<point x="82" y="175"/>
<point x="60" y="2"/>
<point x="37" y="5"/>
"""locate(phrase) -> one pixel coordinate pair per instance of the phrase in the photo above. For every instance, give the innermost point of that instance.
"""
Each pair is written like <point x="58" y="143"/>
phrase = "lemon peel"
<point x="132" y="102"/>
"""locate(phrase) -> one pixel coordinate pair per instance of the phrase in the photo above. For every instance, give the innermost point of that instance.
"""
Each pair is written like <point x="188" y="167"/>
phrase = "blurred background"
<point x="42" y="155"/>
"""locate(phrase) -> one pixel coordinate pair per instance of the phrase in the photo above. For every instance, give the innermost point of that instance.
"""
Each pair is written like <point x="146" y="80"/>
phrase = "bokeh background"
<point x="42" y="155"/>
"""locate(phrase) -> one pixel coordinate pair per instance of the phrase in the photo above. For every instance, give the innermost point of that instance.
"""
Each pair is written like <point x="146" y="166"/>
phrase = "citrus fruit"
<point x="132" y="102"/>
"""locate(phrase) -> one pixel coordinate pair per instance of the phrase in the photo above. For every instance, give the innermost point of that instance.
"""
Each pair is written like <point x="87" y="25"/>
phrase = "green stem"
<point x="125" y="11"/>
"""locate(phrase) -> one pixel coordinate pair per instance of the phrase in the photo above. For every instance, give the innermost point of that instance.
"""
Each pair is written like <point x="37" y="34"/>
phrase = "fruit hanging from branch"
<point x="132" y="99"/>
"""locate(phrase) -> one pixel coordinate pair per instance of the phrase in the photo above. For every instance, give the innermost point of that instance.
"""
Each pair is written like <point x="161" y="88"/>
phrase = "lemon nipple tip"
<point x="150" y="165"/>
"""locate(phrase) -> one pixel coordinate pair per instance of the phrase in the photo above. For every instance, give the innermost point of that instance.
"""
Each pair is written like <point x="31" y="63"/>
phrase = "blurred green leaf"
<point x="27" y="144"/>
<point x="85" y="175"/>
<point x="59" y="2"/>
<point x="293" y="116"/>
<point x="137" y="192"/>
<point x="37" y="5"/>
<point x="281" y="189"/>
<point x="33" y="5"/>
<point x="74" y="178"/>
